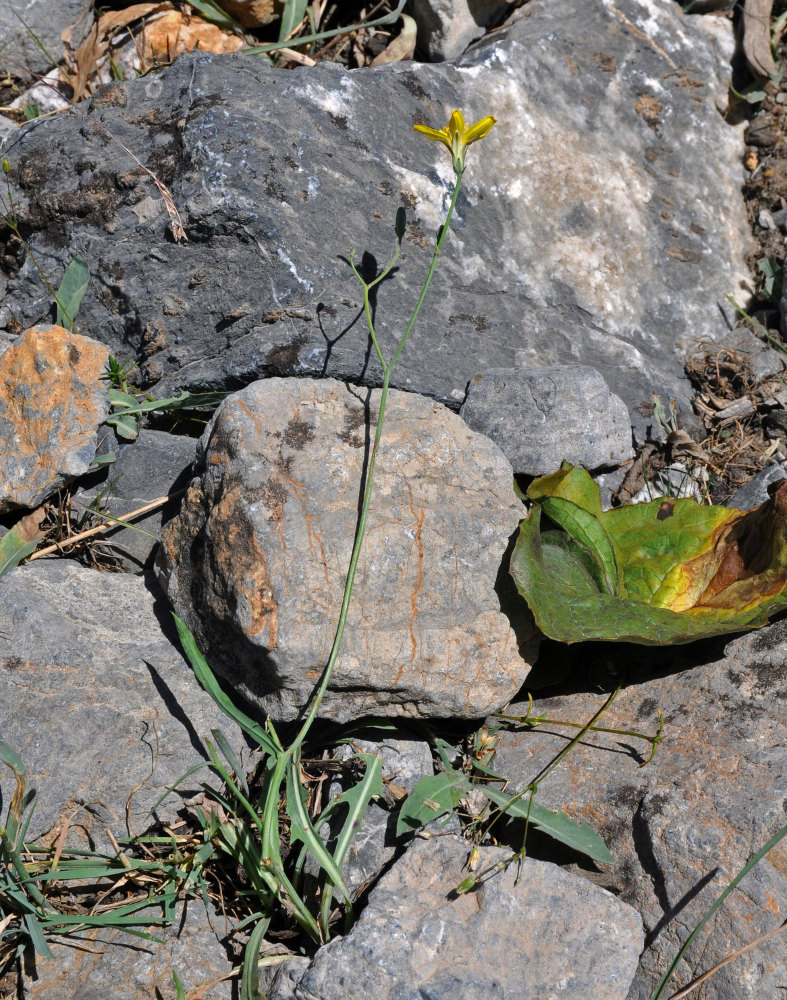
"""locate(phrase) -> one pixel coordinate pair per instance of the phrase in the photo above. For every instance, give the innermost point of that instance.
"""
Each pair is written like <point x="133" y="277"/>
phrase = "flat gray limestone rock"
<point x="540" y="417"/>
<point x="256" y="561"/>
<point x="584" y="231"/>
<point x="682" y="826"/>
<point x="114" y="964"/>
<point x="549" y="934"/>
<point x="97" y="701"/>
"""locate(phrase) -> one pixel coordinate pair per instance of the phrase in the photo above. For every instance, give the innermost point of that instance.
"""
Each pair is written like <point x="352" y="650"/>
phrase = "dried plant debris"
<point x="741" y="414"/>
<point x="64" y="519"/>
<point x="139" y="38"/>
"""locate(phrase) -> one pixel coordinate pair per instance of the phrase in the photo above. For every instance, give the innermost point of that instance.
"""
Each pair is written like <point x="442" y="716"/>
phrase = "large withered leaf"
<point x="663" y="572"/>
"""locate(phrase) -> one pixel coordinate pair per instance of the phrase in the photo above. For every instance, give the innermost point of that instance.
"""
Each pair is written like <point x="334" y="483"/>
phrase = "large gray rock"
<point x="52" y="401"/>
<point x="545" y="933"/>
<point x="257" y="559"/>
<point x="97" y="701"/>
<point x="580" y="234"/>
<point x="681" y="827"/>
<point x="540" y="417"/>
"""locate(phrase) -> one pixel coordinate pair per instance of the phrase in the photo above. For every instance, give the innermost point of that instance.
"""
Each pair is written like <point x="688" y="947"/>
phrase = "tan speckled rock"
<point x="52" y="401"/>
<point x="256" y="560"/>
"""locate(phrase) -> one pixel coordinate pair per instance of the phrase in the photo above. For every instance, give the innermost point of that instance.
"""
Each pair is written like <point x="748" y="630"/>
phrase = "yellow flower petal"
<point x="456" y="137"/>
<point x="456" y="124"/>
<point x="479" y="130"/>
<point x="441" y="135"/>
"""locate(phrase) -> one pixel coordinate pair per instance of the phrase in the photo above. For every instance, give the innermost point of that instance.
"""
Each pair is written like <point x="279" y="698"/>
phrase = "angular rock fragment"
<point x="540" y="932"/>
<point x="31" y="32"/>
<point x="447" y="27"/>
<point x="52" y="401"/>
<point x="540" y="417"/>
<point x="155" y="465"/>
<point x="257" y="559"/>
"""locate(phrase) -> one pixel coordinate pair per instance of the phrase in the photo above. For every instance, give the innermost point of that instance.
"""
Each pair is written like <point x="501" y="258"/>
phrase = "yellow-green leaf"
<point x="683" y="571"/>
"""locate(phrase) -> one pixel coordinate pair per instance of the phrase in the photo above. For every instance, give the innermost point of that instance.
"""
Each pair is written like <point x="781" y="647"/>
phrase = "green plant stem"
<point x="361" y="529"/>
<point x="545" y="721"/>
<point x="532" y="788"/>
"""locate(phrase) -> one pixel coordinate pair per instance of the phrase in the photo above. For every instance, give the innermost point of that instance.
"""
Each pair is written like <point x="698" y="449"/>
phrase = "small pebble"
<point x="765" y="219"/>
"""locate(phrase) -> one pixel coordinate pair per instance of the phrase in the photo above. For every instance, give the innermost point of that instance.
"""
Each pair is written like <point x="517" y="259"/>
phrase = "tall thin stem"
<point x="361" y="529"/>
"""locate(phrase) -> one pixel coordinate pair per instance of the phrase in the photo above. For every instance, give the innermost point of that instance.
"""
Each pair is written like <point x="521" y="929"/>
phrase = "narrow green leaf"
<point x="271" y="789"/>
<point x="579" y="836"/>
<point x="71" y="292"/>
<point x="121" y="398"/>
<point x="185" y="401"/>
<point x="291" y="17"/>
<point x="10" y="757"/>
<point x="250" y="976"/>
<point x="37" y="936"/>
<point x="447" y="753"/>
<point x="212" y="12"/>
<point x="224" y="745"/>
<point x="357" y="800"/>
<point x="100" y="461"/>
<point x="752" y="94"/>
<point x="180" y="993"/>
<point x="433" y="796"/>
<point x="207" y="679"/>
<point x="303" y="830"/>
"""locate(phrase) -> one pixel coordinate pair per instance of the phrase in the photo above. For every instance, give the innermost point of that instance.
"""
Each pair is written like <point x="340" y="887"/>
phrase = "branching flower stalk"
<point x="247" y="829"/>
<point x="285" y="763"/>
<point x="533" y="721"/>
<point x="456" y="137"/>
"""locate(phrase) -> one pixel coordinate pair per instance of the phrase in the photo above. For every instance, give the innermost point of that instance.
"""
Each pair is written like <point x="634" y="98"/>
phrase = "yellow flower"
<point x="456" y="137"/>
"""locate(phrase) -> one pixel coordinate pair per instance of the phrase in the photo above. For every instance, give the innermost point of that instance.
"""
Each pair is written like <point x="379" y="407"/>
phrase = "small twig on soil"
<point x="115" y="523"/>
